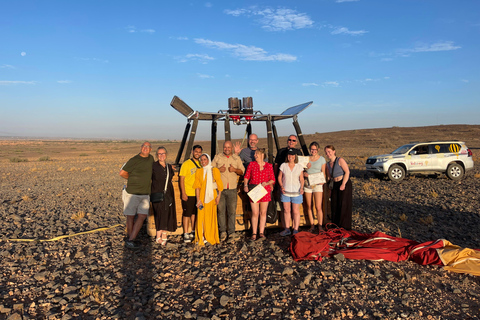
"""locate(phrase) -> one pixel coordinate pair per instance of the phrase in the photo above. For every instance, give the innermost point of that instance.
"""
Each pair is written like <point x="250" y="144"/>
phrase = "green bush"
<point x="16" y="159"/>
<point x="44" y="158"/>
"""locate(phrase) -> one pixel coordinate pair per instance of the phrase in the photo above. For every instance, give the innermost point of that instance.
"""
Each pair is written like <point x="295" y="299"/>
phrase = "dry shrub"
<point x="35" y="169"/>
<point x="44" y="158"/>
<point x="477" y="175"/>
<point x="86" y="169"/>
<point x="72" y="169"/>
<point x="93" y="292"/>
<point x="434" y="194"/>
<point x="369" y="188"/>
<point x="403" y="217"/>
<point x="17" y="159"/>
<point x="79" y="215"/>
<point x="26" y="198"/>
<point x="427" y="220"/>
<point x="61" y="169"/>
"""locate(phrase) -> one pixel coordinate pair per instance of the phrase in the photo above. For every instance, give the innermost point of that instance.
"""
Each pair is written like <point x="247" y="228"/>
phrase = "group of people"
<point x="209" y="190"/>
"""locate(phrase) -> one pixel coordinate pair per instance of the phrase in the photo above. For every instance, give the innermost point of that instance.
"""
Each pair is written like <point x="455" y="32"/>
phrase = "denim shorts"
<point x="296" y="200"/>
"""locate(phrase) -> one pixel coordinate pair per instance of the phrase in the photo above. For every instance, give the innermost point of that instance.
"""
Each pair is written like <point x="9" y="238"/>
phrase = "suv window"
<point x="421" y="149"/>
<point x="445" y="148"/>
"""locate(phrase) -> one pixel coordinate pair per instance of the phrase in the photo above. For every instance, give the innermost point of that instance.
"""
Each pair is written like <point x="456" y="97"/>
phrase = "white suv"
<point x="450" y="157"/>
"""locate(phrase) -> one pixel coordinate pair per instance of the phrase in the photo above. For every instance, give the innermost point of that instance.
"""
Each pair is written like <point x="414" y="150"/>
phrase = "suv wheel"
<point x="455" y="171"/>
<point x="396" y="173"/>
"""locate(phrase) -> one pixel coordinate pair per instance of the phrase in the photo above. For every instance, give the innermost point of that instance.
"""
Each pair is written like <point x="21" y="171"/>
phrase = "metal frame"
<point x="224" y="115"/>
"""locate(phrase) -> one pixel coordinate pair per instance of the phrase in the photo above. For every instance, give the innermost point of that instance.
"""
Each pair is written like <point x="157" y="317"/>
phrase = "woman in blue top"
<point x="316" y="165"/>
<point x="341" y="194"/>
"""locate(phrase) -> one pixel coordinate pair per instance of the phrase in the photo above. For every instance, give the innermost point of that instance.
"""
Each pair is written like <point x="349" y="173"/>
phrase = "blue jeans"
<point x="227" y="211"/>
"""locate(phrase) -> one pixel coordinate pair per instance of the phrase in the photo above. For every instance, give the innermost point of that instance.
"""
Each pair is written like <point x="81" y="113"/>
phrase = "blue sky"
<point x="109" y="69"/>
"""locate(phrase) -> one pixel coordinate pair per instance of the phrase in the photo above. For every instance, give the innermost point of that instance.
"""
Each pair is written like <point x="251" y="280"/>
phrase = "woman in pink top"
<point x="259" y="172"/>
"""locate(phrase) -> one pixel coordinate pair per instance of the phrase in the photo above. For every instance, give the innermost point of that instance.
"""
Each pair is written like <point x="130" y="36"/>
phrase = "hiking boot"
<point x="285" y="233"/>
<point x="223" y="236"/>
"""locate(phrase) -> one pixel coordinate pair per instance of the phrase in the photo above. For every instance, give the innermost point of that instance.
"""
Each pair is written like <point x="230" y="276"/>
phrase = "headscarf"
<point x="207" y="172"/>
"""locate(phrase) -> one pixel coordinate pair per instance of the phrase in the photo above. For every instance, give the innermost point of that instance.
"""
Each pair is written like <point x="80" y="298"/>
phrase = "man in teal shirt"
<point x="136" y="197"/>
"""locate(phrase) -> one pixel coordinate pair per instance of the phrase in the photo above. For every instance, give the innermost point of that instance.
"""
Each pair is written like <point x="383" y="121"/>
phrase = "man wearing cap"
<point x="282" y="153"/>
<point x="136" y="196"/>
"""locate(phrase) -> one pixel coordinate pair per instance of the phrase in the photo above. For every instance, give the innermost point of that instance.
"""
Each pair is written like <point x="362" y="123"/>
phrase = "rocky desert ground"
<point x="56" y="188"/>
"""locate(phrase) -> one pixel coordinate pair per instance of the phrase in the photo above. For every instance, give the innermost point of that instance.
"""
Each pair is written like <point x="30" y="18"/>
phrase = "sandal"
<point x="164" y="239"/>
<point x="254" y="237"/>
<point x="261" y="236"/>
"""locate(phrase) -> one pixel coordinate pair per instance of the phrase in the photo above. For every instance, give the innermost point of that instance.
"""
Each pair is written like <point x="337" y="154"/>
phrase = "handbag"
<point x="272" y="213"/>
<point x="157" y="197"/>
<point x="331" y="182"/>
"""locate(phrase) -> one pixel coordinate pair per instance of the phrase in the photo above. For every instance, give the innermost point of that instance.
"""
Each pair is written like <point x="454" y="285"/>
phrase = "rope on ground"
<point x="64" y="236"/>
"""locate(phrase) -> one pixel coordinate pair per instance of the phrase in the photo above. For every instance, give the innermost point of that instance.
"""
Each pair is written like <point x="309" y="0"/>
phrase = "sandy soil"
<point x="66" y="187"/>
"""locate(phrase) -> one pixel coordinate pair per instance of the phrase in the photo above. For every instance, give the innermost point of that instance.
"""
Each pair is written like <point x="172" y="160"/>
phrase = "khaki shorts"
<point x="316" y="188"/>
<point x="135" y="203"/>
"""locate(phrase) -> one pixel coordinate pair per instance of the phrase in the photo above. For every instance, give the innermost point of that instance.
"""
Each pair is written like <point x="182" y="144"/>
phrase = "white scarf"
<point x="207" y="172"/>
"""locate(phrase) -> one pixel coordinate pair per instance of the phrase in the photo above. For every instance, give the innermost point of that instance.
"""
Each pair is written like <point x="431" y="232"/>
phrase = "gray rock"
<point x="287" y="271"/>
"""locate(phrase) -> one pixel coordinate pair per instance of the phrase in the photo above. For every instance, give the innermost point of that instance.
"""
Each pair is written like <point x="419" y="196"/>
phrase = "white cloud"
<point x="179" y="38"/>
<point x="23" y="54"/>
<point x="280" y="19"/>
<point x="203" y="58"/>
<point x="133" y="29"/>
<point x="340" y="1"/>
<point x="465" y="80"/>
<point x="64" y="81"/>
<point x="204" y="76"/>
<point x="331" y="84"/>
<point x="7" y="66"/>
<point x="6" y="83"/>
<point x="310" y="84"/>
<point x="208" y="4"/>
<point x="438" y="46"/>
<point x="94" y="59"/>
<point x="343" y="30"/>
<point x="243" y="52"/>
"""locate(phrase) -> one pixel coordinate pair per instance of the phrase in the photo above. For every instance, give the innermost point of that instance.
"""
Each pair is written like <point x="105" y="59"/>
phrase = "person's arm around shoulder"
<point x="346" y="171"/>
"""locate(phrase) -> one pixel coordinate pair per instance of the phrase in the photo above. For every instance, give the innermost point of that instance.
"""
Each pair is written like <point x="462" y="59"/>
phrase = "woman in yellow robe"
<point x="207" y="182"/>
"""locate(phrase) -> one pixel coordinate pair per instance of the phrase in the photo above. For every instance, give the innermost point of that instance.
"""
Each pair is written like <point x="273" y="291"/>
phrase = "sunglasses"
<point x="292" y="140"/>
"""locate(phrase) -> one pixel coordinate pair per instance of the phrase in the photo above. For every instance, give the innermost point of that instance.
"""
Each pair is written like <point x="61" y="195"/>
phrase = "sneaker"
<point x="285" y="232"/>
<point x="223" y="236"/>
<point x="295" y="232"/>
<point x="186" y="238"/>
<point x="131" y="245"/>
<point x="191" y="235"/>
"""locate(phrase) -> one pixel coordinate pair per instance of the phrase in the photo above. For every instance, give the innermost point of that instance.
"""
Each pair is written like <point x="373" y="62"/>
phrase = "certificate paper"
<point x="316" y="178"/>
<point x="303" y="161"/>
<point x="257" y="193"/>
